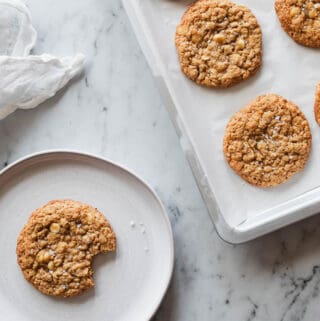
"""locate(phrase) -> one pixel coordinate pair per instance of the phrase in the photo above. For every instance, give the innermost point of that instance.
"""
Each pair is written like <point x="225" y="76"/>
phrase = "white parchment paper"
<point x="288" y="69"/>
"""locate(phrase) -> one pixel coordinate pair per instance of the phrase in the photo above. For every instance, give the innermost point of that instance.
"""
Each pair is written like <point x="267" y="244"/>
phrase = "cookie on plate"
<point x="301" y="20"/>
<point x="317" y="104"/>
<point x="268" y="141"/>
<point x="219" y="43"/>
<point x="56" y="246"/>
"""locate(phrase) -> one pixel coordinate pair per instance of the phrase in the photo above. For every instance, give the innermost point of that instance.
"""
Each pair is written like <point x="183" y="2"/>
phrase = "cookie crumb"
<point x="132" y="224"/>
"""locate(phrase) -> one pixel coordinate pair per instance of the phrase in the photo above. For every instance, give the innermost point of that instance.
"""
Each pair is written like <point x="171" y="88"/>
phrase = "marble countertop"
<point x="114" y="110"/>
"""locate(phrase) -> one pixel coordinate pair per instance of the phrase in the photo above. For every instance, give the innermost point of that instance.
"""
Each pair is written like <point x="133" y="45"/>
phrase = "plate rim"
<point x="74" y="152"/>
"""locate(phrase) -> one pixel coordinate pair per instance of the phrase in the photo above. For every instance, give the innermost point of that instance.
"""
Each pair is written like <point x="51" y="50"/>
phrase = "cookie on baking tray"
<point x="301" y="20"/>
<point x="317" y="104"/>
<point x="268" y="141"/>
<point x="219" y="43"/>
<point x="57" y="244"/>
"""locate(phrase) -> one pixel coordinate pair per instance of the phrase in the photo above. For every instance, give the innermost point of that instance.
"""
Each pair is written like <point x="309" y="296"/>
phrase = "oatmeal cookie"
<point x="219" y="43"/>
<point x="317" y="104"/>
<point x="56" y="246"/>
<point x="301" y="20"/>
<point x="268" y="141"/>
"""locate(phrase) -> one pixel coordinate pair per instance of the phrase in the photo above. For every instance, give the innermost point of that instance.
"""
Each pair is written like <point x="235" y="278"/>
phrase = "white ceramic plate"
<point x="129" y="284"/>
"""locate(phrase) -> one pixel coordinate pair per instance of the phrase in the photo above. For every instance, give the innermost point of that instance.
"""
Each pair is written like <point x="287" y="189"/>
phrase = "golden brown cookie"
<point x="317" y="104"/>
<point x="268" y="141"/>
<point x="219" y="43"/>
<point x="56" y="246"/>
<point x="301" y="20"/>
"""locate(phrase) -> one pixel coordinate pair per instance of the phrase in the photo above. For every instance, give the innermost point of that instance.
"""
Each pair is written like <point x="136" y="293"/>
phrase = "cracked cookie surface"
<point x="301" y="20"/>
<point x="317" y="104"/>
<point x="56" y="246"/>
<point x="268" y="141"/>
<point x="219" y="43"/>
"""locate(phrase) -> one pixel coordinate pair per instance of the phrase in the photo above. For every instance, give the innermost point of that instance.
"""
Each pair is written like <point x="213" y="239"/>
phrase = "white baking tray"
<point x="239" y="211"/>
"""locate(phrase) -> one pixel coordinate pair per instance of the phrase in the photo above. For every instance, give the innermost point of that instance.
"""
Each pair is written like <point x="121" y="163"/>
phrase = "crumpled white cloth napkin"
<point x="26" y="80"/>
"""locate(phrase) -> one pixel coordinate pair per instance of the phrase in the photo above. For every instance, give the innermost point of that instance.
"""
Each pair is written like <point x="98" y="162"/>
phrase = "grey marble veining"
<point x="114" y="109"/>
